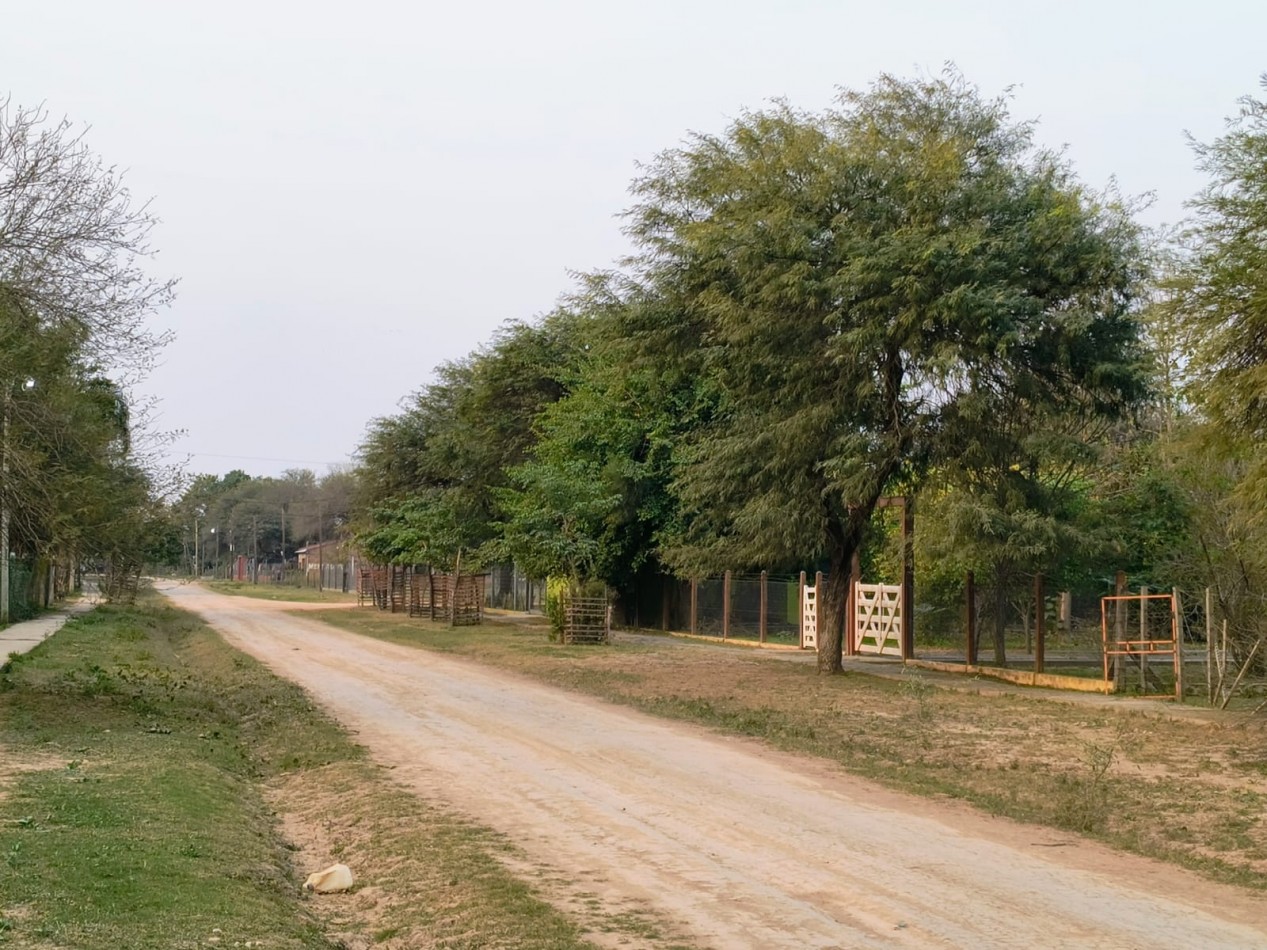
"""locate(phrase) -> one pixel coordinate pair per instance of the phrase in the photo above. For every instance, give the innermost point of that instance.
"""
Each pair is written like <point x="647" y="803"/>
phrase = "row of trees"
<point x="899" y="295"/>
<point x="262" y="518"/>
<point x="74" y="305"/>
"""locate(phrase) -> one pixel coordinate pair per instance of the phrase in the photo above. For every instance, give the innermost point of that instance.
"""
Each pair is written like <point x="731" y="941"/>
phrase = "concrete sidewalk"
<point x="21" y="637"/>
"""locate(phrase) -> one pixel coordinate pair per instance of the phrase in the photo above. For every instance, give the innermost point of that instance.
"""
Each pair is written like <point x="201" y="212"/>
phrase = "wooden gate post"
<point x="1040" y="624"/>
<point x="970" y="604"/>
<point x="765" y="578"/>
<point x="851" y="603"/>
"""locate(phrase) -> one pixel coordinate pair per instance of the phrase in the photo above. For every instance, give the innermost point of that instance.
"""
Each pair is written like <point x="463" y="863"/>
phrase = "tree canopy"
<point x="870" y="288"/>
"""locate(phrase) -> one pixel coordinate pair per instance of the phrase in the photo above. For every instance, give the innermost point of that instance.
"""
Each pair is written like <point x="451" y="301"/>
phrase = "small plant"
<point x="1088" y="793"/>
<point x="556" y="593"/>
<point x="916" y="687"/>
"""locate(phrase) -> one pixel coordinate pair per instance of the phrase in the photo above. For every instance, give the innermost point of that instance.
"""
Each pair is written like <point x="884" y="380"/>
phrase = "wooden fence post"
<point x="665" y="597"/>
<point x="851" y="603"/>
<point x="694" y="605"/>
<point x="1209" y="645"/>
<point x="1119" y="629"/>
<point x="1040" y="624"/>
<point x="725" y="605"/>
<point x="1177" y="624"/>
<point x="800" y="606"/>
<point x="908" y="580"/>
<point x="970" y="604"/>
<point x="1144" y="634"/>
<point x="765" y="578"/>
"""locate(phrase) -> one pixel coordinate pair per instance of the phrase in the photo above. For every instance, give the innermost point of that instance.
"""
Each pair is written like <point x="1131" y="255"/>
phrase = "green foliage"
<point x="556" y="594"/>
<point x="432" y="478"/>
<point x="1223" y="289"/>
<point x="592" y="500"/>
<point x="871" y="289"/>
<point x="73" y="488"/>
<point x="1218" y="309"/>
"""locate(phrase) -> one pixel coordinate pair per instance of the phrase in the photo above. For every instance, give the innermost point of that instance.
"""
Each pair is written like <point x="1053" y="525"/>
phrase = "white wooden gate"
<point x="809" y="618"/>
<point x="877" y="619"/>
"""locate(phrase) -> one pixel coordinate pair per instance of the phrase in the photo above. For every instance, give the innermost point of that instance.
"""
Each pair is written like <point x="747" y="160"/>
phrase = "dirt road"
<point x="742" y="846"/>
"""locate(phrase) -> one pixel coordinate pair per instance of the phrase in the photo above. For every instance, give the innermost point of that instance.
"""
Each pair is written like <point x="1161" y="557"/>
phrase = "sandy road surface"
<point x="742" y="846"/>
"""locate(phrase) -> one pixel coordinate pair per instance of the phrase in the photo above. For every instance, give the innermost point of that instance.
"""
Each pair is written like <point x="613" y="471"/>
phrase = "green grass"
<point x="137" y="748"/>
<point x="139" y="823"/>
<point x="282" y="592"/>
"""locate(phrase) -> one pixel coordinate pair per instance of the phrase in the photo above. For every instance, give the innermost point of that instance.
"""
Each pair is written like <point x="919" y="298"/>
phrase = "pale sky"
<point x="351" y="193"/>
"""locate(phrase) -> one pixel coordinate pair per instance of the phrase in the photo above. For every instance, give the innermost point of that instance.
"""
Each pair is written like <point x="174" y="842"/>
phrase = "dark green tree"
<point x="869" y="288"/>
<point x="430" y="478"/>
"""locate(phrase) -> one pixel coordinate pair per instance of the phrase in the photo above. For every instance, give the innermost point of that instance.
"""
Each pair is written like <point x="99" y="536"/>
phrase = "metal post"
<point x="1040" y="624"/>
<point x="765" y="578"/>
<point x="970" y="598"/>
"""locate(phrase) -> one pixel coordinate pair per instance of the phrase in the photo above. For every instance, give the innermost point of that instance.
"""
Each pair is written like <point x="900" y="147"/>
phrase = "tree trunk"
<point x="1000" y="616"/>
<point x="844" y="538"/>
<point x="831" y="614"/>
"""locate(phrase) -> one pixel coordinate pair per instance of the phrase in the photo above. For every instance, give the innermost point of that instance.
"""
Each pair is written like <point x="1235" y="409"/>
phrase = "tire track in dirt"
<point x="742" y="846"/>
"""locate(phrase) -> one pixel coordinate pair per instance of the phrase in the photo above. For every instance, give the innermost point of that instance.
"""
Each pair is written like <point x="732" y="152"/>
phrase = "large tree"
<point x="869" y="287"/>
<point x="430" y="478"/>
<point x="73" y="240"/>
<point x="1222" y="290"/>
<point x="1219" y="307"/>
<point x="592" y="500"/>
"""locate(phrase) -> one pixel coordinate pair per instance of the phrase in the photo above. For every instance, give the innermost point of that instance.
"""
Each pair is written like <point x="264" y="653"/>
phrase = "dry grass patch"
<point x="1186" y="789"/>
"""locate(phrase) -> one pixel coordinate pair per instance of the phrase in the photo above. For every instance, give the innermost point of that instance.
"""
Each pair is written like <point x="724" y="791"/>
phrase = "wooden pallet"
<point x="586" y="620"/>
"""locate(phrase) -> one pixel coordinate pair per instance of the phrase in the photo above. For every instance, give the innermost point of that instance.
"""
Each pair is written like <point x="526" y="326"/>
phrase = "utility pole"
<point x="321" y="547"/>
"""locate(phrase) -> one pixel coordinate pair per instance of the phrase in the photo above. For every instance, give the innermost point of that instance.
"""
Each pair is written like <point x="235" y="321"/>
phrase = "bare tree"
<point x="72" y="240"/>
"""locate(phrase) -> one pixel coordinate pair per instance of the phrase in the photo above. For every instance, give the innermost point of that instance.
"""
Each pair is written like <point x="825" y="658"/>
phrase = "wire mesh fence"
<point x="22" y="606"/>
<point x="509" y="588"/>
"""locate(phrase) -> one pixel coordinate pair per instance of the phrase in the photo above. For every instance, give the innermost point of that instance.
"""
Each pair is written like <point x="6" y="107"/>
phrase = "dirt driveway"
<point x="742" y="846"/>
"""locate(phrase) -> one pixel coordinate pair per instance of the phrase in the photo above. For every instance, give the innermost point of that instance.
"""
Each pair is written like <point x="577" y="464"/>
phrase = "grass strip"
<point x="142" y="762"/>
